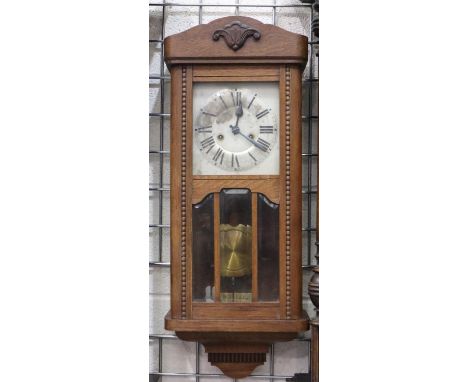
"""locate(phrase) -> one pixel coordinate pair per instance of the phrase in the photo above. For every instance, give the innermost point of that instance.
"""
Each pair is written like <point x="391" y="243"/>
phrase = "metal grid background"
<point x="159" y="83"/>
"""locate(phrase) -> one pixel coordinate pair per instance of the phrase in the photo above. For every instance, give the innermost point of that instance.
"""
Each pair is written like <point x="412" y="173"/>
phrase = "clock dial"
<point x="235" y="129"/>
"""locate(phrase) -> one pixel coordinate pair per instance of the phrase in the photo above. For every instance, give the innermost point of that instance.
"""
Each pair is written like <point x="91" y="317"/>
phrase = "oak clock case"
<point x="236" y="277"/>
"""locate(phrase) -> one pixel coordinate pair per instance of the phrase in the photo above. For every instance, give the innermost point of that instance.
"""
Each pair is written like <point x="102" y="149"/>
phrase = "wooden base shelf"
<point x="237" y="347"/>
<point x="239" y="326"/>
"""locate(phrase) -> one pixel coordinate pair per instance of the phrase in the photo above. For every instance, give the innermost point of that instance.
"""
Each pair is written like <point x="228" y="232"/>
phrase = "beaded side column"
<point x="184" y="196"/>
<point x="288" y="192"/>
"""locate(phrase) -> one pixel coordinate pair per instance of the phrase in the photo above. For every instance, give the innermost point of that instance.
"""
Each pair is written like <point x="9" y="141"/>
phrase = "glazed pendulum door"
<point x="235" y="256"/>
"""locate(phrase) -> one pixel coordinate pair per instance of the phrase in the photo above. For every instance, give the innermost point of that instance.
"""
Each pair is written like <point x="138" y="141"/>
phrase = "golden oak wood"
<point x="217" y="259"/>
<point x="230" y="70"/>
<point x="255" y="249"/>
<point x="188" y="171"/>
<point x="240" y="311"/>
<point x="267" y="186"/>
<point x="282" y="211"/>
<point x="238" y="326"/>
<point x="230" y="340"/>
<point x="196" y="45"/>
<point x="237" y="79"/>
<point x="295" y="191"/>
<point x="175" y="205"/>
<point x="236" y="49"/>
<point x="245" y="177"/>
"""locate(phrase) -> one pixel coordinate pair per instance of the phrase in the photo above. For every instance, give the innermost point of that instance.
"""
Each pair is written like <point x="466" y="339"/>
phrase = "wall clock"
<point x="236" y="203"/>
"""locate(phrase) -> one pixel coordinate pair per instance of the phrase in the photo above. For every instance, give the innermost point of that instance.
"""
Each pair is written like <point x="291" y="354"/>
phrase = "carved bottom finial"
<point x="237" y="361"/>
<point x="237" y="365"/>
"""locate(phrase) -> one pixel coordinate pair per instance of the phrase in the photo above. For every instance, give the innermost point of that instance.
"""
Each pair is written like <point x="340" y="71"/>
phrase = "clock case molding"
<point x="236" y="336"/>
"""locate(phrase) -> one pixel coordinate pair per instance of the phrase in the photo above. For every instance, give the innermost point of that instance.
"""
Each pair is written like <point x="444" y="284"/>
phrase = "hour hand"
<point x="239" y="113"/>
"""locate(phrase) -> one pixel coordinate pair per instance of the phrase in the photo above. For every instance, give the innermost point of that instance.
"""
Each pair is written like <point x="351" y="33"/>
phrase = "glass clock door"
<point x="235" y="250"/>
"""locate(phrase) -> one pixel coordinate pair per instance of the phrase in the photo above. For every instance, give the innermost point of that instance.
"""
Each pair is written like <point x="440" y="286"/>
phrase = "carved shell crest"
<point x="235" y="34"/>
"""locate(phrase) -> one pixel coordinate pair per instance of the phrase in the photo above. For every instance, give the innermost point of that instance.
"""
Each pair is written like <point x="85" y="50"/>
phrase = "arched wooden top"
<point x="236" y="39"/>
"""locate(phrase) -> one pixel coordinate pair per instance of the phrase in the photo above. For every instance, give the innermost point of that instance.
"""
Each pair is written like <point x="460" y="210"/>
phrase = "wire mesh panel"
<point x="169" y="357"/>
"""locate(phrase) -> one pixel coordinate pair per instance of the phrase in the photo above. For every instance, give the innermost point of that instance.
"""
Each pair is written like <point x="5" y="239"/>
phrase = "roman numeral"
<point x="255" y="159"/>
<point x="264" y="143"/>
<point x="209" y="148"/>
<point x="266" y="129"/>
<point x="218" y="154"/>
<point x="234" y="158"/>
<point x="250" y="104"/>
<point x="224" y="103"/>
<point x="204" y="129"/>
<point x="262" y="113"/>
<point x="206" y="113"/>
<point x="207" y="142"/>
<point x="237" y="99"/>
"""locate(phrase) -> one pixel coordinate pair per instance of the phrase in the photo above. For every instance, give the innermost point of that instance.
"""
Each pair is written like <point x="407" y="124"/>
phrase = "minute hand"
<point x="254" y="142"/>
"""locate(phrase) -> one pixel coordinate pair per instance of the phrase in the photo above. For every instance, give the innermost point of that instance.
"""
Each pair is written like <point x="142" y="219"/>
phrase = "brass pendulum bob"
<point x="235" y="245"/>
